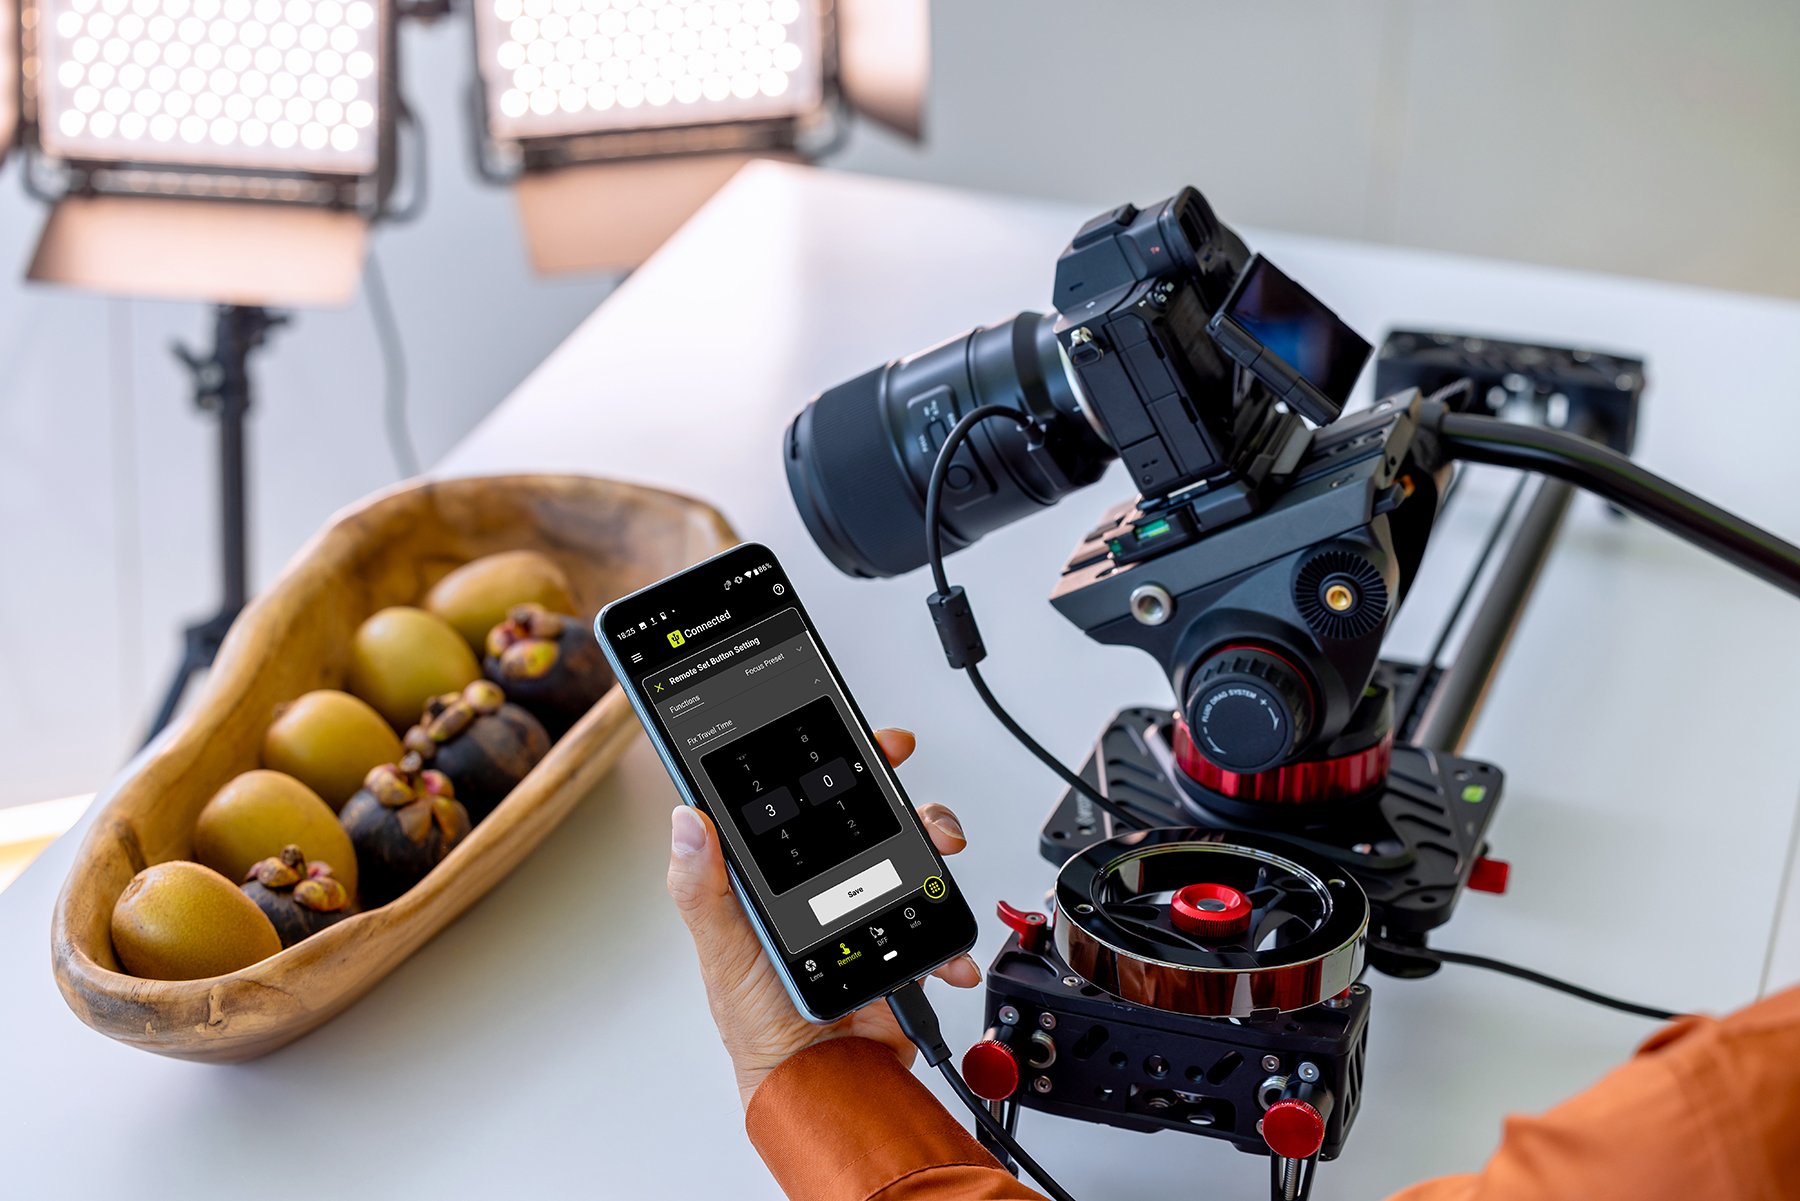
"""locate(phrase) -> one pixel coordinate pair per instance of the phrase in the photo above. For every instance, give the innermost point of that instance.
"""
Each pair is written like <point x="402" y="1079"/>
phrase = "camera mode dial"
<point x="1248" y="709"/>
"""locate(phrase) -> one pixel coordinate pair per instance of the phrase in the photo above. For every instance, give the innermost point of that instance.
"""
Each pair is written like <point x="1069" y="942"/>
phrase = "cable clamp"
<point x="955" y="622"/>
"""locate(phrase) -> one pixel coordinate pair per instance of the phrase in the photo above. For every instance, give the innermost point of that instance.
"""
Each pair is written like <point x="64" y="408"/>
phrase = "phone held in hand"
<point x="743" y="703"/>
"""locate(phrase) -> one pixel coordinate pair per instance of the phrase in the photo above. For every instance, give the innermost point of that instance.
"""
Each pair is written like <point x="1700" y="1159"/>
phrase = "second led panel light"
<point x="559" y="67"/>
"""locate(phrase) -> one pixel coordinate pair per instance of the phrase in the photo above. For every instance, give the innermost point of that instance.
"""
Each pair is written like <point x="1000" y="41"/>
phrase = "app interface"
<point x="851" y="891"/>
<point x="801" y="794"/>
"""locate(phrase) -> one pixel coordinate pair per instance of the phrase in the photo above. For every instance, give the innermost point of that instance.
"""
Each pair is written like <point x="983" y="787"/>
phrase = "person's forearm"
<point x="844" y="1121"/>
<point x="1706" y="1109"/>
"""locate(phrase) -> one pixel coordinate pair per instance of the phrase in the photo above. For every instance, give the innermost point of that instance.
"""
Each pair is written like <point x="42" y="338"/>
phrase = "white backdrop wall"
<point x="1647" y="137"/>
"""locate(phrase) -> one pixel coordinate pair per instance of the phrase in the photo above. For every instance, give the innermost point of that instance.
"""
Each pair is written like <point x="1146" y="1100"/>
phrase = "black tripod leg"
<point x="1292" y="1179"/>
<point x="200" y="648"/>
<point x="1007" y="1114"/>
<point x="190" y="663"/>
<point x="222" y="385"/>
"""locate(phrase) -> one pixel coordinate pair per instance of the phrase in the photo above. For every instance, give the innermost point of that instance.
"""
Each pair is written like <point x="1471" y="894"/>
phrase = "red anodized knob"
<point x="990" y="1070"/>
<point x="1293" y="1129"/>
<point x="1210" y="910"/>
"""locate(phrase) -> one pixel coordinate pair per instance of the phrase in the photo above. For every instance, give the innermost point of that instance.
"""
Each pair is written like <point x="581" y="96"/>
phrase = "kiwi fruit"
<point x="184" y="921"/>
<point x="477" y="596"/>
<point x="257" y="814"/>
<point x="328" y="741"/>
<point x="402" y="657"/>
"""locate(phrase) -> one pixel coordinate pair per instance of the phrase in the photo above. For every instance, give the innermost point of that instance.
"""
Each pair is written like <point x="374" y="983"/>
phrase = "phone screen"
<point x="754" y="721"/>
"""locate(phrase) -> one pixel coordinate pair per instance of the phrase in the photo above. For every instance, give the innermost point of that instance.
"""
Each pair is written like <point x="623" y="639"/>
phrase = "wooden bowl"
<point x="610" y="538"/>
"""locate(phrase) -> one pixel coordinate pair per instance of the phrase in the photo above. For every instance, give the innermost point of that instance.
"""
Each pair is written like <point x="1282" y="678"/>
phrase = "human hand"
<point x="756" y="1019"/>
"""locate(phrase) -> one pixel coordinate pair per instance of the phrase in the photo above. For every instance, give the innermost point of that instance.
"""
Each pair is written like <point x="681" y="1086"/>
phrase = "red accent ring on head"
<point x="1297" y="783"/>
<point x="1293" y="1129"/>
<point x="1187" y="912"/>
<point x="990" y="1070"/>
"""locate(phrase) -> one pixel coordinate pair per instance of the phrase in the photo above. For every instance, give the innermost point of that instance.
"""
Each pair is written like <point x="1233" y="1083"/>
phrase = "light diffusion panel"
<point x="279" y="84"/>
<point x="557" y="67"/>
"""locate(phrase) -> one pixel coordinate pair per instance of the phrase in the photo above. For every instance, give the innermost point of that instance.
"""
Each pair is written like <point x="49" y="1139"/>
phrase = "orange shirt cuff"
<point x="844" y="1121"/>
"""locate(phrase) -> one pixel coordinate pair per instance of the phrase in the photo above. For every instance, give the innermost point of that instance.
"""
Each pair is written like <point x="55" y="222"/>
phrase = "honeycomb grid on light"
<point x="279" y="84"/>
<point x="555" y="67"/>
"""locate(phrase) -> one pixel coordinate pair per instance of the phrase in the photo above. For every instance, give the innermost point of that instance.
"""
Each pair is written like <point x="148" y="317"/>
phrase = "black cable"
<point x="1608" y="474"/>
<point x="393" y="367"/>
<point x="1524" y="973"/>
<point x="1416" y="686"/>
<point x="415" y="204"/>
<point x="919" y="1022"/>
<point x="934" y="553"/>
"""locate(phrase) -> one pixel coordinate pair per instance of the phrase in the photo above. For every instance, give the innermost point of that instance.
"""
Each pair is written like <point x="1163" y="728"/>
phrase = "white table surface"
<point x="555" y="1040"/>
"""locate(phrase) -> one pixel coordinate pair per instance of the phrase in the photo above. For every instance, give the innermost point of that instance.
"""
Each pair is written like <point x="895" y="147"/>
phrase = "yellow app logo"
<point x="675" y="638"/>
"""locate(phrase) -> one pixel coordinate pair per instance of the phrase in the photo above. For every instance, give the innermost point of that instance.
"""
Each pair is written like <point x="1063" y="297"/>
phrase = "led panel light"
<point x="284" y="85"/>
<point x="552" y="68"/>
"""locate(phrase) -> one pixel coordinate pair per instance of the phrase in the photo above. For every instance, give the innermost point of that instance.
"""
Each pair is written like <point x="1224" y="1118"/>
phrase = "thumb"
<point x="697" y="879"/>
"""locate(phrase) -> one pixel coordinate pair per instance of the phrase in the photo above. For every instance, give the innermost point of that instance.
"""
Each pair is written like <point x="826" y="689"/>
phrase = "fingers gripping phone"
<point x="750" y="715"/>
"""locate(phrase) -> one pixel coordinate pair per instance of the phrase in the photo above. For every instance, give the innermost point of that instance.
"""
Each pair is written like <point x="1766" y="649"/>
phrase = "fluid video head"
<point x="1175" y="349"/>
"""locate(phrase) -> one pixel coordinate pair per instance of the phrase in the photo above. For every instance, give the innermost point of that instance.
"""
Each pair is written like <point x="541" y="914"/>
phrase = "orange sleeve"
<point x="843" y="1121"/>
<point x="1705" y="1109"/>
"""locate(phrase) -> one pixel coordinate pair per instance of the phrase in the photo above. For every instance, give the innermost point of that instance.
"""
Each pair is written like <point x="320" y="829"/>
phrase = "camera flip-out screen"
<point x="1290" y="341"/>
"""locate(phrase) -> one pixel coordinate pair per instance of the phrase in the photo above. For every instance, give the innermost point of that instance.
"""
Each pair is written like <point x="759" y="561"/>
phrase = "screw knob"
<point x="1210" y="910"/>
<point x="990" y="1070"/>
<point x="1293" y="1129"/>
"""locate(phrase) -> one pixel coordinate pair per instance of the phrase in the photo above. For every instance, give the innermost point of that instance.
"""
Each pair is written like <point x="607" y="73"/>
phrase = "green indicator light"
<point x="1155" y="529"/>
<point x="1475" y="793"/>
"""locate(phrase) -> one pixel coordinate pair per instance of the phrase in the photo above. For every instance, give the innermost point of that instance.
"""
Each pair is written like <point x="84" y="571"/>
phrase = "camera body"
<point x="1135" y="290"/>
<point x="1168" y="349"/>
<point x="1124" y="368"/>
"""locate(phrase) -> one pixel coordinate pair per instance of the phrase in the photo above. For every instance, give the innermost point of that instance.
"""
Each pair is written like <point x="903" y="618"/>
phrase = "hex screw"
<point x="1008" y="1016"/>
<point x="1047" y="1020"/>
<point x="1309" y="1072"/>
<point x="1041" y="1084"/>
<point x="1271" y="1063"/>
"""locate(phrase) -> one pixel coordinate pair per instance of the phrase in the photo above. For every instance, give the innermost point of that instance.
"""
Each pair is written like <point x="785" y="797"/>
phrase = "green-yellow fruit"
<point x="328" y="741"/>
<point x="401" y="658"/>
<point x="182" y="921"/>
<point x="260" y="812"/>
<point x="477" y="596"/>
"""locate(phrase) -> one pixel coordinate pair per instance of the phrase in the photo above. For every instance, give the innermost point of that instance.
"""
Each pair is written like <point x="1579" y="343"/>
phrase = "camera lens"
<point x="859" y="456"/>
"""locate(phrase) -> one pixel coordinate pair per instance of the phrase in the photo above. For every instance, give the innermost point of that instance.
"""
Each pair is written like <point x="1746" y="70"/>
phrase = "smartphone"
<point x="1287" y="338"/>
<point x="737" y="692"/>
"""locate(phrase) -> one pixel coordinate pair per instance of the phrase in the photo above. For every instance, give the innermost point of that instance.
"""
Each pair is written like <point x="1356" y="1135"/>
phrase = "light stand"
<point x="222" y="383"/>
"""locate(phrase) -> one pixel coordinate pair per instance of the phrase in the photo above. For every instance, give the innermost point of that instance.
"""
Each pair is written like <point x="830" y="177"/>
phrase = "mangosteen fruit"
<point x="402" y="823"/>
<point x="548" y="662"/>
<point x="299" y="898"/>
<point x="484" y="743"/>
